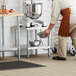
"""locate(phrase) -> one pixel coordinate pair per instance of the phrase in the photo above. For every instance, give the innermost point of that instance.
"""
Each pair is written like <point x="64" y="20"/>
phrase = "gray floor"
<point x="54" y="68"/>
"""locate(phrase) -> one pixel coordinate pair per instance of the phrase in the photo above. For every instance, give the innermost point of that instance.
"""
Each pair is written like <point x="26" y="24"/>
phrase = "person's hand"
<point x="47" y="31"/>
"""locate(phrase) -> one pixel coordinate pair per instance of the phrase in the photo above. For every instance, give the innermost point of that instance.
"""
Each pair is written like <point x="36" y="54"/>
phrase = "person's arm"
<point x="54" y="16"/>
<point x="51" y="26"/>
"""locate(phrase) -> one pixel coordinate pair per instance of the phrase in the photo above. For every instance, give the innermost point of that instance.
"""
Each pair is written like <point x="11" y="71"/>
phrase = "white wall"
<point x="17" y="5"/>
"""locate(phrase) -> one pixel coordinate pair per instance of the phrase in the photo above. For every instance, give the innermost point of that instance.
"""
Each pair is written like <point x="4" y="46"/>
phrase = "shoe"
<point x="58" y="58"/>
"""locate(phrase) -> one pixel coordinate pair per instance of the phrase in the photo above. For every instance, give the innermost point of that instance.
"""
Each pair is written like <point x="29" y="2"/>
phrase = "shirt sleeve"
<point x="56" y="8"/>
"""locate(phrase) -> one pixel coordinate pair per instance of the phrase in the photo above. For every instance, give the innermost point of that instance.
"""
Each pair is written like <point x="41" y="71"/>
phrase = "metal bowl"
<point x="34" y="10"/>
<point x="42" y="34"/>
<point x="35" y="43"/>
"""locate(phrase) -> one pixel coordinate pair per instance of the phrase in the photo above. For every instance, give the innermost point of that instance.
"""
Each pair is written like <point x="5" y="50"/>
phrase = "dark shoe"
<point x="58" y="58"/>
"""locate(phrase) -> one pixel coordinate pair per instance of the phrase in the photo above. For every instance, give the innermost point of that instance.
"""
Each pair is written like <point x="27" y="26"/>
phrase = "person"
<point x="67" y="8"/>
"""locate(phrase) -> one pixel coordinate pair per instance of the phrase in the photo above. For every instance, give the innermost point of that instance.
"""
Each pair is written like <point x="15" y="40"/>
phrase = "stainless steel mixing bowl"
<point x="42" y="34"/>
<point x="34" y="10"/>
<point x="35" y="42"/>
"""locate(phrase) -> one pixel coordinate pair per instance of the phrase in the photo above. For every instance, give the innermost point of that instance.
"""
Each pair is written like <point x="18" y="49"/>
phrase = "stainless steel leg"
<point x="18" y="37"/>
<point x="48" y="48"/>
<point x="3" y="54"/>
<point x="15" y="42"/>
<point x="52" y="39"/>
<point x="15" y="38"/>
<point x="3" y="35"/>
<point x="36" y="39"/>
<point x="27" y="45"/>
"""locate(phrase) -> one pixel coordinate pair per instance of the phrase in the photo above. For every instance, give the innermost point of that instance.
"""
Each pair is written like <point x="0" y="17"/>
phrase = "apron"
<point x="64" y="29"/>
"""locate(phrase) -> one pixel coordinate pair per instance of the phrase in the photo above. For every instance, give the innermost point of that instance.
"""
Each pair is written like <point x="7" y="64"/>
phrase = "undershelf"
<point x="38" y="47"/>
<point x="8" y="49"/>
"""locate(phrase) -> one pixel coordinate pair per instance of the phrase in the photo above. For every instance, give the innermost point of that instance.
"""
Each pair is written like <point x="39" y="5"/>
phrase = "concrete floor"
<point x="54" y="68"/>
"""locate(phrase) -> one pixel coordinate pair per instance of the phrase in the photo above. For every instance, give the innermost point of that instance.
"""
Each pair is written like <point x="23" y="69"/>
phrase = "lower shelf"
<point x="38" y="47"/>
<point x="8" y="49"/>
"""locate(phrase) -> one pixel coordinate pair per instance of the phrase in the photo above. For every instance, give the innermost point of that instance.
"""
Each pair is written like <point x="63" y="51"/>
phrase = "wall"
<point x="17" y="5"/>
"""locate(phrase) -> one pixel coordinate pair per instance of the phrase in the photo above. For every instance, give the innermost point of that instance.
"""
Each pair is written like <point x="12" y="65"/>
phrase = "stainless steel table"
<point x="3" y="49"/>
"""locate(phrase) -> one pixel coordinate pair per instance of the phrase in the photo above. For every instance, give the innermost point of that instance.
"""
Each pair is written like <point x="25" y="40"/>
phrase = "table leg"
<point x="15" y="38"/>
<point x="3" y="54"/>
<point x="15" y="42"/>
<point x="48" y="48"/>
<point x="18" y="37"/>
<point x="36" y="39"/>
<point x="3" y="35"/>
<point x="27" y="45"/>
